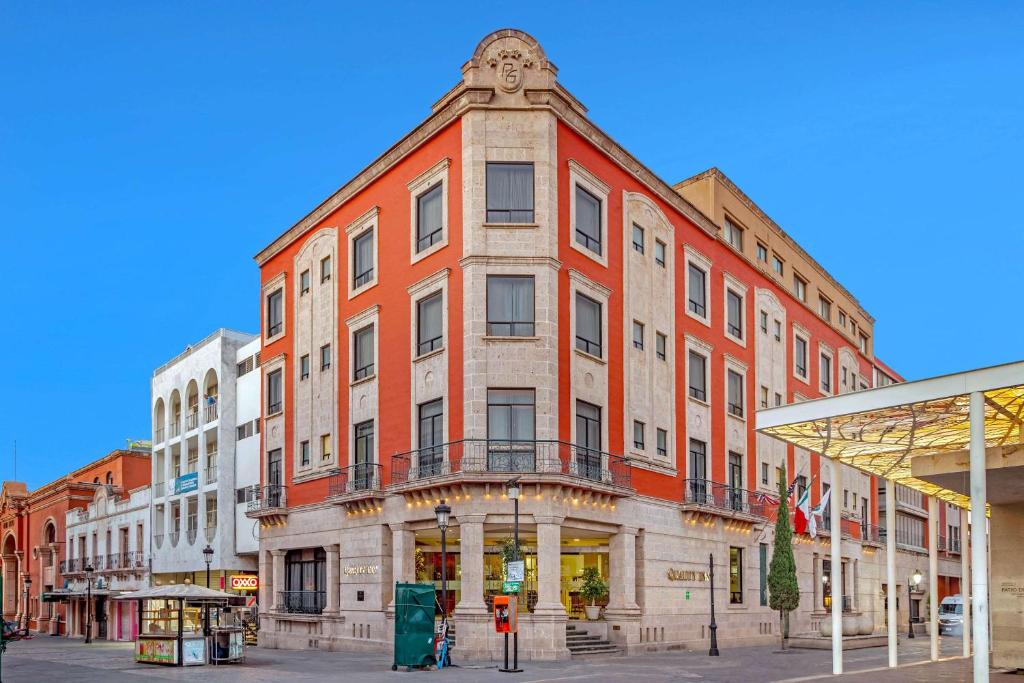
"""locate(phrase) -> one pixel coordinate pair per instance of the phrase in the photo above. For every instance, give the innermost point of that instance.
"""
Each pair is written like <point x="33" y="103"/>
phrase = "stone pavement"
<point x="72" y="661"/>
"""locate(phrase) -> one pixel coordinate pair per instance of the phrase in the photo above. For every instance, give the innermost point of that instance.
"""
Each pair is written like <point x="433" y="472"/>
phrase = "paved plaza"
<point x="72" y="661"/>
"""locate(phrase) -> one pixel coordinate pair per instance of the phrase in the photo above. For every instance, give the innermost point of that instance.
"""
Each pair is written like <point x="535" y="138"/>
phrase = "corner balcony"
<point x="357" y="487"/>
<point x="708" y="499"/>
<point x="269" y="505"/>
<point x="602" y="476"/>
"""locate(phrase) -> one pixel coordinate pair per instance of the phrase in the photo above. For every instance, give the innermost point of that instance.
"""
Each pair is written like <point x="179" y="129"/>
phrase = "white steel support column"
<point x="933" y="576"/>
<point x="890" y="570"/>
<point x="979" y="541"/>
<point x="965" y="579"/>
<point x="836" y="580"/>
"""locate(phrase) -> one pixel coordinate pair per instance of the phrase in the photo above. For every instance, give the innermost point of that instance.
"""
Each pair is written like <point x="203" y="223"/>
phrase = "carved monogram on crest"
<point x="509" y="65"/>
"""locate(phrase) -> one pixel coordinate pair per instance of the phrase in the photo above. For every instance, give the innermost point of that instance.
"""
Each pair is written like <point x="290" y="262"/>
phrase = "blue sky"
<point x="148" y="150"/>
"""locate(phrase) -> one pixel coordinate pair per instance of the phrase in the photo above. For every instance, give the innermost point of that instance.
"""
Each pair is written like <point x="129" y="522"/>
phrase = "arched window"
<point x="110" y="478"/>
<point x="95" y="480"/>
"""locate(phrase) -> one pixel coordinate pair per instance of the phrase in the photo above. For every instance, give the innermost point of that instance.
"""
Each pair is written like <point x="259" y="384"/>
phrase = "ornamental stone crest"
<point x="508" y="66"/>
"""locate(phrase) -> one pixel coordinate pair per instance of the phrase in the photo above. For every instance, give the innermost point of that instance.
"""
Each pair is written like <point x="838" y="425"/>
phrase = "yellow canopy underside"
<point x="883" y="442"/>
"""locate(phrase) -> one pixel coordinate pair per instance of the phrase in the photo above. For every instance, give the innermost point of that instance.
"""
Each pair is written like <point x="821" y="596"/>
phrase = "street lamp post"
<point x="208" y="556"/>
<point x="512" y="489"/>
<point x="28" y="611"/>
<point x="443" y="512"/>
<point x="912" y="583"/>
<point x="88" y="603"/>
<point x="713" y="652"/>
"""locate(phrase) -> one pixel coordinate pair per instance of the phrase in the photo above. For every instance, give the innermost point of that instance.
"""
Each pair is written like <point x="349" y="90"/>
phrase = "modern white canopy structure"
<point x="939" y="436"/>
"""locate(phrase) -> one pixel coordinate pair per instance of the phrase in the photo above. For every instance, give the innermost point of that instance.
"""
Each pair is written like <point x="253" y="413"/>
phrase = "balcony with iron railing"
<point x="302" y="602"/>
<point x="210" y="412"/>
<point x="133" y="559"/>
<point x="710" y="496"/>
<point x="362" y="481"/>
<point x="488" y="460"/>
<point x="173" y="537"/>
<point x="268" y="503"/>
<point x="950" y="546"/>
<point x="158" y="434"/>
<point x="871" y="534"/>
<point x="210" y="476"/>
<point x="192" y="420"/>
<point x="175" y="428"/>
<point x="113" y="562"/>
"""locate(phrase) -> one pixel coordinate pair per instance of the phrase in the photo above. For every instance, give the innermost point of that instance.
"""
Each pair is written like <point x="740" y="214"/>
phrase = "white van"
<point x="951" y="616"/>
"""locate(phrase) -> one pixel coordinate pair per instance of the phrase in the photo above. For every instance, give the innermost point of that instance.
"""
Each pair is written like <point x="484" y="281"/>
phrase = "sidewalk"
<point x="72" y="661"/>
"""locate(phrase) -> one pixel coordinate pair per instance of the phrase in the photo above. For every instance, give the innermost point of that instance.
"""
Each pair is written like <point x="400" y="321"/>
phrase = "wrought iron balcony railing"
<point x="302" y="602"/>
<point x="266" y="498"/>
<point x="355" y="478"/>
<point x="723" y="497"/>
<point x="482" y="456"/>
<point x="871" y="533"/>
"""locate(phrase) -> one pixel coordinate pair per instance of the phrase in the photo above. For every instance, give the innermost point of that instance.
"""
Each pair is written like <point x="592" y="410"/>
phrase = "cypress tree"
<point x="784" y="591"/>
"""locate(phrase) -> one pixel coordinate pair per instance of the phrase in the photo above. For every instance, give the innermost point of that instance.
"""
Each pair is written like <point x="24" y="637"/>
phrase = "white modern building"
<point x="108" y="543"/>
<point x="205" y="404"/>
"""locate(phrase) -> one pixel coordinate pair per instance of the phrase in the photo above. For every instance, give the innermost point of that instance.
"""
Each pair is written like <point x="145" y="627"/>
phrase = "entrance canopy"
<point x="881" y="431"/>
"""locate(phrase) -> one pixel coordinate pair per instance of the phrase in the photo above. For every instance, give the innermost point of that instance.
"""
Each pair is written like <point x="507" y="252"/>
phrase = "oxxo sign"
<point x="244" y="582"/>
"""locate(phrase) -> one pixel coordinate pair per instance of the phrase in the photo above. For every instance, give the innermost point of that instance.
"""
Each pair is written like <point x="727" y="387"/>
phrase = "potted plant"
<point x="593" y="587"/>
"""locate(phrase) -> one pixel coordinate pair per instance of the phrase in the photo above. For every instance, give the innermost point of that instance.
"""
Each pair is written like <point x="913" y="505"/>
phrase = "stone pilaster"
<point x="277" y="580"/>
<point x="549" y="615"/>
<point x="623" y="612"/>
<point x="333" y="572"/>
<point x="471" y="615"/>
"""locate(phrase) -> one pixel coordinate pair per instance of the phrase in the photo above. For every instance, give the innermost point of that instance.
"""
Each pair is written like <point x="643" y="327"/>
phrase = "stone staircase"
<point x="582" y="644"/>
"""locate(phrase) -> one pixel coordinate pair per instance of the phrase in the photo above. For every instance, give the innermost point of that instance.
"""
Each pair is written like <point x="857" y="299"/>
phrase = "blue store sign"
<point x="186" y="482"/>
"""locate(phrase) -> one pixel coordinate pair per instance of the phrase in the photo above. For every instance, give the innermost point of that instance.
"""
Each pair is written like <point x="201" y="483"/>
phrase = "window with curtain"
<point x="735" y="393"/>
<point x="431" y="436"/>
<point x="511" y="430"/>
<point x="698" y="376"/>
<point x="275" y="312"/>
<point x="588" y="440"/>
<point x="364" y="356"/>
<point x="274" y="392"/>
<point x="429" y="216"/>
<point x="800" y="356"/>
<point x="362" y="259"/>
<point x="588" y="220"/>
<point x="510" y="307"/>
<point x="698" y="472"/>
<point x="429" y="335"/>
<point x="588" y="325"/>
<point x="638" y="238"/>
<point x="305" y="581"/>
<point x="697" y="290"/>
<point x="734" y="323"/>
<point x="509" y="192"/>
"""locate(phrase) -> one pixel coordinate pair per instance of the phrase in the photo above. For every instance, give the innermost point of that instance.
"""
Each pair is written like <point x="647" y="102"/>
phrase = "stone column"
<point x="333" y="606"/>
<point x="471" y="616"/>
<point x="623" y="613"/>
<point x="277" y="580"/>
<point x="549" y="617"/>
<point x="403" y="557"/>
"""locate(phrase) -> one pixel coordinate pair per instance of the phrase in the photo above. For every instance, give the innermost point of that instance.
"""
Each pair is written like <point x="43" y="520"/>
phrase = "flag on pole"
<point x="802" y="514"/>
<point x="818" y="511"/>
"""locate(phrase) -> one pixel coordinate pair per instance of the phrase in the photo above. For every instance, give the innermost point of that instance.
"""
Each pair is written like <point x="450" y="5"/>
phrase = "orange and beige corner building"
<point x="508" y="293"/>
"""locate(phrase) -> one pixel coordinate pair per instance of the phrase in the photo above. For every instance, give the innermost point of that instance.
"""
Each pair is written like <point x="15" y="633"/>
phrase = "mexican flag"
<point x="802" y="515"/>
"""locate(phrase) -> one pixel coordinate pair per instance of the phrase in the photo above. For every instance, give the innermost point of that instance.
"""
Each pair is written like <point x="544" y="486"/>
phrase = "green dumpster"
<point x="414" y="625"/>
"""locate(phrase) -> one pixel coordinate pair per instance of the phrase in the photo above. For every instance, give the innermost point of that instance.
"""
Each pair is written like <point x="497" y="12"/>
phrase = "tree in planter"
<point x="783" y="589"/>
<point x="593" y="586"/>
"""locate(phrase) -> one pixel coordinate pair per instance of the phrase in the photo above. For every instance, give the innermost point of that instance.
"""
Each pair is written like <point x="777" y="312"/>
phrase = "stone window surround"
<point x="437" y="282"/>
<point x="369" y="220"/>
<point x="275" y="283"/>
<point x="579" y="282"/>
<point x="438" y="173"/>
<point x="734" y="284"/>
<point x="509" y="155"/>
<point x="827" y="351"/>
<point x="735" y="364"/>
<point x="269" y="366"/>
<point x="579" y="175"/>
<point x="705" y="349"/>
<point x="354" y="323"/>
<point x="691" y="255"/>
<point x="801" y="332"/>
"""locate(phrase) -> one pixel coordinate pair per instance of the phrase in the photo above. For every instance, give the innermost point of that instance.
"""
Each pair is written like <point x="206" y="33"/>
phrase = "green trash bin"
<point x="414" y="625"/>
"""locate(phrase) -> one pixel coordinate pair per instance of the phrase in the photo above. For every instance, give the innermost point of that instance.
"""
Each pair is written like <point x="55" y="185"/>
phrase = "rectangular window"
<point x="735" y="576"/>
<point x="638" y="238"/>
<point x="800" y="288"/>
<point x="362" y="259"/>
<point x="778" y="331"/>
<point x="733" y="234"/>
<point x="325" y="269"/>
<point x="697" y="293"/>
<point x="304" y="367"/>
<point x="764" y="473"/>
<point x="429" y="335"/>
<point x="245" y="367"/>
<point x="778" y="476"/>
<point x="363" y="436"/>
<point x="662" y="441"/>
<point x="801" y="486"/>
<point x="638" y="435"/>
<point x="304" y="453"/>
<point x="364" y="355"/>
<point x="429" y="216"/>
<point x="825" y="308"/>
<point x="826" y="373"/>
<point x="588" y="440"/>
<point x="275" y="312"/>
<point x="325" y="357"/>
<point x="762" y="253"/>
<point x="698" y="376"/>
<point x="274" y="390"/>
<point x="735" y="393"/>
<point x="843" y="376"/>
<point x="842" y="318"/>
<point x="588" y="325"/>
<point x="763" y="551"/>
<point x="778" y="399"/>
<point x="764" y="397"/>
<point x="777" y="265"/>
<point x="800" y="356"/>
<point x="588" y="220"/>
<point x="864" y="344"/>
<point x="510" y="308"/>
<point x="511" y="430"/>
<point x="660" y="342"/>
<point x="659" y="253"/>
<point x="509" y="193"/>
<point x="304" y="282"/>
<point x="638" y="335"/>
<point x="764" y="322"/>
<point x="734" y="323"/>
<point x="325" y="446"/>
<point x="698" y="460"/>
<point x="431" y="438"/>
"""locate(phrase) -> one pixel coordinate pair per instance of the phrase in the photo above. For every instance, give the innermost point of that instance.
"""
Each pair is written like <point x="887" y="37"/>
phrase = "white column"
<point x="333" y="578"/>
<point x="403" y="559"/>
<point x="965" y="580"/>
<point x="933" y="576"/>
<point x="979" y="545"/>
<point x="622" y="571"/>
<point x="836" y="580"/>
<point x="471" y="557"/>
<point x="890" y="570"/>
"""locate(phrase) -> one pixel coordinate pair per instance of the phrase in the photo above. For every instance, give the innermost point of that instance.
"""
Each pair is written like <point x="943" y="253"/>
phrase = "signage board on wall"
<point x="245" y="582"/>
<point x="186" y="483"/>
<point x="515" y="571"/>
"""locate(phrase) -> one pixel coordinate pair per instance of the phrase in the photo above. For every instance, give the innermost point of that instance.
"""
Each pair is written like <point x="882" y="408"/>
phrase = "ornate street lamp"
<point x="443" y="513"/>
<point x="913" y="582"/>
<point x="88" y="604"/>
<point x="28" y="611"/>
<point x="208" y="556"/>
<point x="713" y="651"/>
